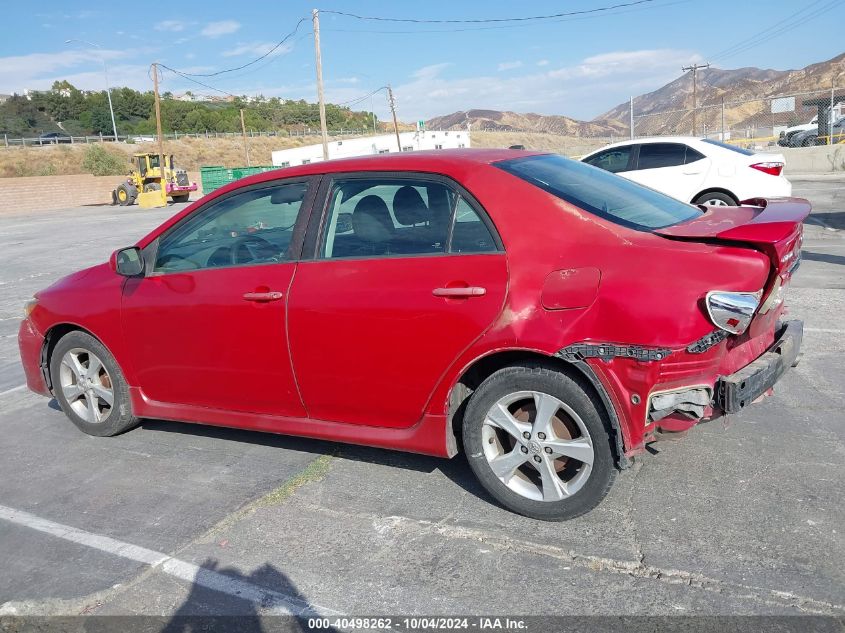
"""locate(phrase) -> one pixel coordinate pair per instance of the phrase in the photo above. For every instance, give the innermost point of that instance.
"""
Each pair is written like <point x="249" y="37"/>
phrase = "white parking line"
<point x="271" y="602"/>
<point x="12" y="390"/>
<point x="824" y="329"/>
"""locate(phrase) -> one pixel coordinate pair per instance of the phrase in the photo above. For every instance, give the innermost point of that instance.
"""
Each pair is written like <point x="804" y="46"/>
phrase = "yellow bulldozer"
<point x="147" y="184"/>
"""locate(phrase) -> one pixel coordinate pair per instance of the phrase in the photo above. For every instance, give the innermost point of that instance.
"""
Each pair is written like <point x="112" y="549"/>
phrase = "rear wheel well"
<point x="484" y="367"/>
<point x="715" y="190"/>
<point x="53" y="335"/>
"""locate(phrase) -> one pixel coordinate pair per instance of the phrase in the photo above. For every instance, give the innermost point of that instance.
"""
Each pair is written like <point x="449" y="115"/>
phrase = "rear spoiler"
<point x="772" y="225"/>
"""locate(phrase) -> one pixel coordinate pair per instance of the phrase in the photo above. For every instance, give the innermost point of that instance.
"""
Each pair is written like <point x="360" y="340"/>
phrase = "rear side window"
<point x="733" y="148"/>
<point x="601" y="193"/>
<point x="656" y="155"/>
<point x="395" y="217"/>
<point x="613" y="160"/>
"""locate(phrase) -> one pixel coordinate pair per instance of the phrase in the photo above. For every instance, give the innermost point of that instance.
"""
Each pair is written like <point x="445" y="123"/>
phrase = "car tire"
<point x="558" y="487"/>
<point x="716" y="199"/>
<point x="810" y="141"/>
<point x="85" y="376"/>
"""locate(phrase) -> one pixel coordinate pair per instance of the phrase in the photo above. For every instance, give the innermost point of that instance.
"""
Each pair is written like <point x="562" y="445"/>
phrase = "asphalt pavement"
<point x="744" y="517"/>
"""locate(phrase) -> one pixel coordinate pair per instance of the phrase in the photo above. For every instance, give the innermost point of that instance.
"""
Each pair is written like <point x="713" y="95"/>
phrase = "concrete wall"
<point x="813" y="160"/>
<point x="42" y="193"/>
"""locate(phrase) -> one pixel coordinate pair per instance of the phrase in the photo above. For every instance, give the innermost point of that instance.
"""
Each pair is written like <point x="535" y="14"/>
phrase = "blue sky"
<point x="579" y="67"/>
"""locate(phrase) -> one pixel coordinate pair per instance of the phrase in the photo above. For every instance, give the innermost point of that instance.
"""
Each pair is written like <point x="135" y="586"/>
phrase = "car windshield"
<point x="604" y="194"/>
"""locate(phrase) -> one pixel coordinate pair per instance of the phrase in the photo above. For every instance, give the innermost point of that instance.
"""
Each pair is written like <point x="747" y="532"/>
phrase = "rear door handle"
<point x="470" y="291"/>
<point x="263" y="296"/>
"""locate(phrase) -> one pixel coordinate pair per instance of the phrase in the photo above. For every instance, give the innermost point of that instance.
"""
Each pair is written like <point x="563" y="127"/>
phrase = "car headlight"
<point x="28" y="307"/>
<point x="732" y="311"/>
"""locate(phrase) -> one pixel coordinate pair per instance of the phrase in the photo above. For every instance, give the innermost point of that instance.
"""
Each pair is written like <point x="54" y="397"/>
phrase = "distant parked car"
<point x="788" y="133"/>
<point x="808" y="138"/>
<point x="54" y="137"/>
<point x="398" y="300"/>
<point x="696" y="170"/>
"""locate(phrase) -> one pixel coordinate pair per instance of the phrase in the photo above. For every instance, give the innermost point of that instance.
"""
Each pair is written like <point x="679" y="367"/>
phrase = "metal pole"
<point x="106" y="73"/>
<point x="830" y="123"/>
<point x="316" y="18"/>
<point x="723" y="119"/>
<point x="632" y="117"/>
<point x="246" y="144"/>
<point x="393" y="111"/>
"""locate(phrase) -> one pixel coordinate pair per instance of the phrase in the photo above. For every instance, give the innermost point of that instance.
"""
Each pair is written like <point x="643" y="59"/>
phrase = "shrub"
<point x="101" y="162"/>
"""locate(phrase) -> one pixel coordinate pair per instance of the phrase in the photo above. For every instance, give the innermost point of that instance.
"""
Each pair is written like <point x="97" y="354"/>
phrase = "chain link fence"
<point x="756" y="123"/>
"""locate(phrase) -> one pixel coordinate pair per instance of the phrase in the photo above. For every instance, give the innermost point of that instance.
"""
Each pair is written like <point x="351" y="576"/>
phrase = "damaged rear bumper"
<point x="738" y="390"/>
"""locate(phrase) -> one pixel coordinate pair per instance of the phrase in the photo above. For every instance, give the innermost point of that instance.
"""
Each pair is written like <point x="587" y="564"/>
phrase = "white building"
<point x="368" y="145"/>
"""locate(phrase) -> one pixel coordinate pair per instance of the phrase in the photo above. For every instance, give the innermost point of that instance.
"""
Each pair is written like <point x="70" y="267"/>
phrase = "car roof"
<point x="652" y="139"/>
<point x="442" y="161"/>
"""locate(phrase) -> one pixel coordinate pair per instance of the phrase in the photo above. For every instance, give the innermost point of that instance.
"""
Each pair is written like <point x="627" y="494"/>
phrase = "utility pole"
<point x="392" y="102"/>
<point x="315" y="14"/>
<point x="694" y="68"/>
<point x="723" y="119"/>
<point x="246" y="144"/>
<point x="830" y="116"/>
<point x="631" y="107"/>
<point x="158" y="131"/>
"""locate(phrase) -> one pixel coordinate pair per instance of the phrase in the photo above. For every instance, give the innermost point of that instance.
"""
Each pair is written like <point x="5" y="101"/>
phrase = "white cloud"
<point x="543" y="62"/>
<point x="172" y="26"/>
<point x="37" y="71"/>
<point x="256" y="49"/>
<point x="581" y="90"/>
<point x="224" y="27"/>
<point x="509" y="65"/>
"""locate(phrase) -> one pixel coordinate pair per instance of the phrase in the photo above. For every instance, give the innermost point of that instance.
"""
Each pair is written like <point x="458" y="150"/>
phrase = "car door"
<point x="206" y="325"/>
<point x="673" y="168"/>
<point x="407" y="272"/>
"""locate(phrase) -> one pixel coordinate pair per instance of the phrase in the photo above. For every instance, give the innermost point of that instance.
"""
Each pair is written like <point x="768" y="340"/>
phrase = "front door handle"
<point x="263" y="296"/>
<point x="468" y="291"/>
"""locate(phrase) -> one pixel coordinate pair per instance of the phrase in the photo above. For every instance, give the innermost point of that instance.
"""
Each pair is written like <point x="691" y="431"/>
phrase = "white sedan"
<point x="696" y="170"/>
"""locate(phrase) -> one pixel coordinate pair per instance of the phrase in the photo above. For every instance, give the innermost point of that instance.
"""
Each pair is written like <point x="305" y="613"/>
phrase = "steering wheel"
<point x="254" y="247"/>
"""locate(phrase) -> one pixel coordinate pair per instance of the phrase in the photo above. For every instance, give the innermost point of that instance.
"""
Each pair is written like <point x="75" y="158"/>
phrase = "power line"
<point x="788" y="23"/>
<point x="487" y="20"/>
<point x="254" y="61"/>
<point x="500" y="26"/>
<point x="196" y="81"/>
<point x="360" y="99"/>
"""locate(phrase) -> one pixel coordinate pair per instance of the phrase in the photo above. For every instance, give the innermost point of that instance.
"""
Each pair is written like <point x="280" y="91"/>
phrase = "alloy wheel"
<point x="86" y="385"/>
<point x="715" y="202"/>
<point x="537" y="446"/>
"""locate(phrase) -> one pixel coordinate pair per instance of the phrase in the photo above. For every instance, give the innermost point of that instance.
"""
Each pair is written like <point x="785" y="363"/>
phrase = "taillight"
<point x="732" y="311"/>
<point x="773" y="169"/>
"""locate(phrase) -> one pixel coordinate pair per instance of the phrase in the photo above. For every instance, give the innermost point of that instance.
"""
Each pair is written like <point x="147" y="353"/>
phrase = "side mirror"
<point x="128" y="262"/>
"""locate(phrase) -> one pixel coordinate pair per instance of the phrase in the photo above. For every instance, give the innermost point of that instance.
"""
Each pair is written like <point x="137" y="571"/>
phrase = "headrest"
<point x="371" y="220"/>
<point x="409" y="207"/>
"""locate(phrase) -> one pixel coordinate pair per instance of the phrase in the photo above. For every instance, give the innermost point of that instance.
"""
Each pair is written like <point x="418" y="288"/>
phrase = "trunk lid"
<point x="773" y="226"/>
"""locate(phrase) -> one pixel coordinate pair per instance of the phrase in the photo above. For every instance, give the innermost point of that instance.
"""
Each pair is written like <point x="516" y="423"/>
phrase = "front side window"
<point x="395" y="217"/>
<point x="656" y="155"/>
<point x="613" y="160"/>
<point x="601" y="193"/>
<point x="247" y="228"/>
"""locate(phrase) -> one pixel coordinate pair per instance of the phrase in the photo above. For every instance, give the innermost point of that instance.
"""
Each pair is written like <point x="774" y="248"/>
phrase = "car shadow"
<point x="823" y="257"/>
<point x="456" y="469"/>
<point x="213" y="603"/>
<point x="833" y="220"/>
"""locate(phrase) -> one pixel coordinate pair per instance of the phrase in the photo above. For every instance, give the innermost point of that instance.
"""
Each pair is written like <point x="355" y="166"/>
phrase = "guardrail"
<point x="147" y="138"/>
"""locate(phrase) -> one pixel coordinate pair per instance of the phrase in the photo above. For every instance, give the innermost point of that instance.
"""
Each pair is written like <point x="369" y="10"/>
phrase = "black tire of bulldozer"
<point x="181" y="198"/>
<point x="152" y="186"/>
<point x="125" y="195"/>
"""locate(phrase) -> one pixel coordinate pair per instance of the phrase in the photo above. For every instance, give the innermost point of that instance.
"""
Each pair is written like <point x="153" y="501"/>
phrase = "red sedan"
<point x="544" y="316"/>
